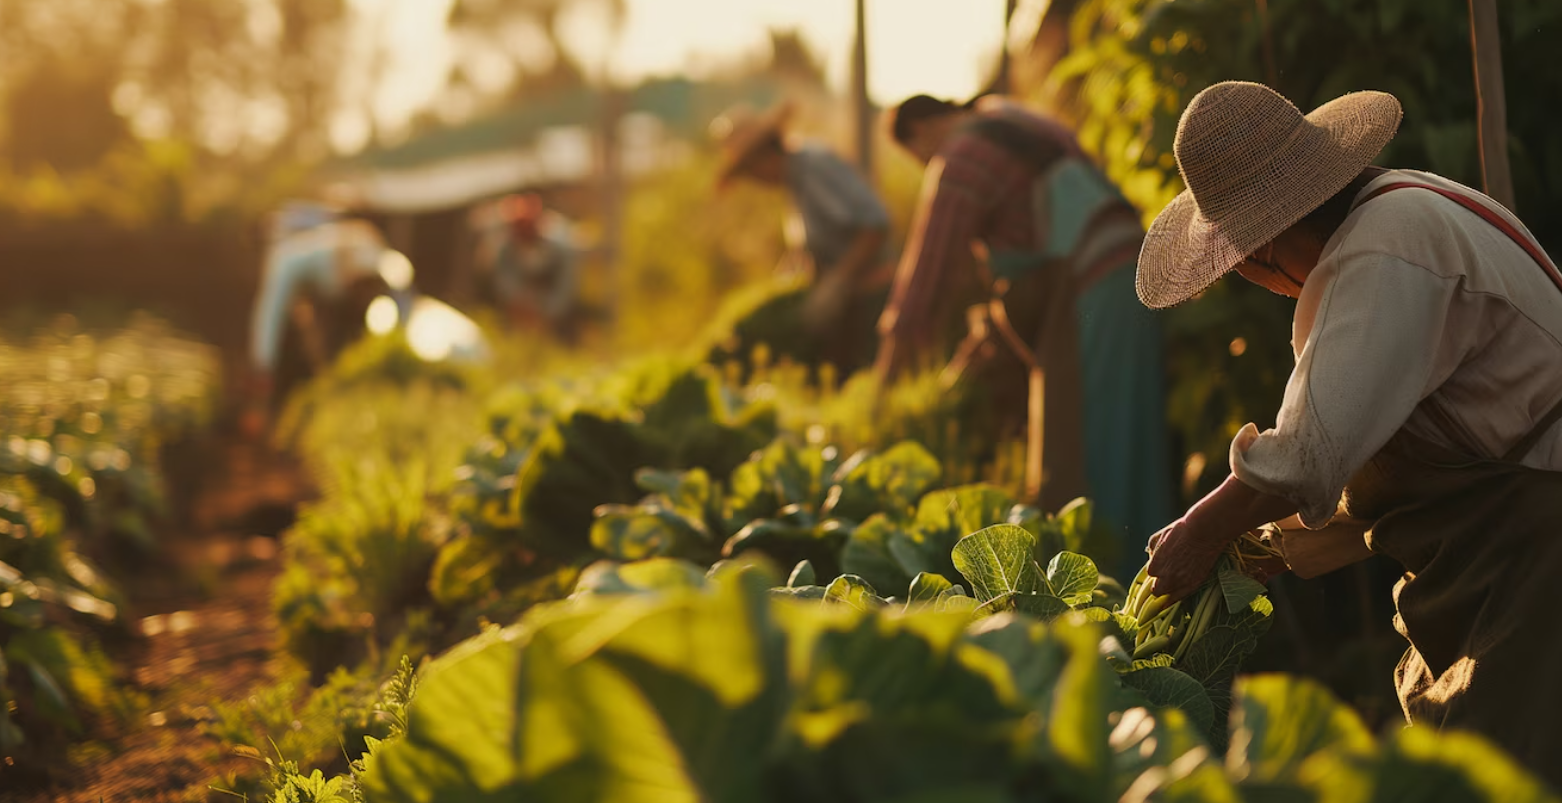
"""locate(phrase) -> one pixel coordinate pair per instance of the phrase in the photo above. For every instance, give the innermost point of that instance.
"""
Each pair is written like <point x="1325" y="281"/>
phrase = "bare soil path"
<point x="205" y="629"/>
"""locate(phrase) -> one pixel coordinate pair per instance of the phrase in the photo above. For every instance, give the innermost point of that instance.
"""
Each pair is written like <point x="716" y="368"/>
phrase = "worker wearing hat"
<point x="1424" y="400"/>
<point x="845" y="225"/>
<point x="535" y="265"/>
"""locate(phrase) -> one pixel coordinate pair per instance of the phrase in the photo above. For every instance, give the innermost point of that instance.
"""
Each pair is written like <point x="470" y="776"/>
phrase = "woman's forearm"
<point x="1235" y="508"/>
<point x="860" y="255"/>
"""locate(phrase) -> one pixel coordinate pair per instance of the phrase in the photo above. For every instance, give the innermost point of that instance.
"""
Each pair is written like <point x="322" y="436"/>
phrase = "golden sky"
<point x="935" y="46"/>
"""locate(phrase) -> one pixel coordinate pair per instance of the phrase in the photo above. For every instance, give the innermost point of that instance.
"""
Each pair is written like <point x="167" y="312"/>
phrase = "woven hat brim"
<point x="1185" y="252"/>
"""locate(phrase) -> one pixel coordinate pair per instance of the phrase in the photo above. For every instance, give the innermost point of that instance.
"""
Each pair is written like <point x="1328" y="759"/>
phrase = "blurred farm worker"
<point x="321" y="272"/>
<point x="844" y="224"/>
<point x="1424" y="401"/>
<point x="535" y="266"/>
<point x="1056" y="247"/>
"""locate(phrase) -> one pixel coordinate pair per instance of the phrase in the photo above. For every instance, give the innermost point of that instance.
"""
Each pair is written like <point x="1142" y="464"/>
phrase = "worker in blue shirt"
<point x="844" y="222"/>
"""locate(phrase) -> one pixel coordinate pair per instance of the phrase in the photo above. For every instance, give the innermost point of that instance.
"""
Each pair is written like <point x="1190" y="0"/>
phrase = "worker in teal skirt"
<point x="1058" y="243"/>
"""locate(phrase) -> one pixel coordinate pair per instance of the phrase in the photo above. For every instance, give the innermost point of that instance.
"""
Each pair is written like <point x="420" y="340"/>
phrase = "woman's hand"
<point x="1182" y="555"/>
<point x="1181" y="558"/>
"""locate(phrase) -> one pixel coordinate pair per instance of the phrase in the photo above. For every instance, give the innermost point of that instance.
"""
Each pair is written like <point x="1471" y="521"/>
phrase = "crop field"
<point x="614" y="529"/>
<point x="673" y="579"/>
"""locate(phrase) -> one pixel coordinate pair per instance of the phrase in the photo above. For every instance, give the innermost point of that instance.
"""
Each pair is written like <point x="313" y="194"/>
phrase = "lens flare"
<point x="382" y="315"/>
<point x="395" y="269"/>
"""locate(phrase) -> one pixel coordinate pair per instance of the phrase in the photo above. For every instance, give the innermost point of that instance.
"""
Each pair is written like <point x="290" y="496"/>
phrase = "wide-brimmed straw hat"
<point x="1254" y="166"/>
<point x="741" y="129"/>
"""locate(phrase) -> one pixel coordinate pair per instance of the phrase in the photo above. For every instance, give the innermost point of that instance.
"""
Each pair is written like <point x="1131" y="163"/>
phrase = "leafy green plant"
<point x="720" y="691"/>
<point x="82" y="419"/>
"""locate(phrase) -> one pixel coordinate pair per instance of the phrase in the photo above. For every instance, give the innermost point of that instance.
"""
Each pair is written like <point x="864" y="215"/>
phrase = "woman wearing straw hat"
<point x="1425" y="397"/>
<point x="1060" y="243"/>
<point x="844" y="225"/>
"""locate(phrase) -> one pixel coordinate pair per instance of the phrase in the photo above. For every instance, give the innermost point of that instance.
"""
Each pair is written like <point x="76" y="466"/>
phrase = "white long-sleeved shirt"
<point x="324" y="260"/>
<point x="1421" y="316"/>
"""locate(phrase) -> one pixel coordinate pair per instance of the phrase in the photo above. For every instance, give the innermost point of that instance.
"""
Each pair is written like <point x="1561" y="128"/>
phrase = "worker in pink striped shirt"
<point x="1011" y="206"/>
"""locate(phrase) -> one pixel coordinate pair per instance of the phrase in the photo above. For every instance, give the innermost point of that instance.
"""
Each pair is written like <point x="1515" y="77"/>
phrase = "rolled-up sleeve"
<point x="1367" y="362"/>
<point x="286" y="271"/>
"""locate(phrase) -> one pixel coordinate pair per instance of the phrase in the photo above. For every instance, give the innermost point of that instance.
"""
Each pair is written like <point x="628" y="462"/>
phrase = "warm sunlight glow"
<point x="437" y="331"/>
<point x="382" y="315"/>
<point x="940" y="47"/>
<point x="396" y="269"/>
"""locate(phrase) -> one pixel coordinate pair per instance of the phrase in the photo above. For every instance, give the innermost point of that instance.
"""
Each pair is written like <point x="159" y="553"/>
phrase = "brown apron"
<point x="1482" y="551"/>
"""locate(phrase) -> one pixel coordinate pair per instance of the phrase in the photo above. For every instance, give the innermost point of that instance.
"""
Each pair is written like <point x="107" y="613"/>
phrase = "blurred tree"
<point x="791" y="59"/>
<point x="63" y="115"/>
<point x="525" y="35"/>
<point x="247" y="85"/>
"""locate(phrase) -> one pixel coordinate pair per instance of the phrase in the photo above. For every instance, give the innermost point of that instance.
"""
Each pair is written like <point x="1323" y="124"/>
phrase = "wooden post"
<point x="1003" y="82"/>
<point x="1491" y="105"/>
<point x="862" y="109"/>
<point x="612" y="188"/>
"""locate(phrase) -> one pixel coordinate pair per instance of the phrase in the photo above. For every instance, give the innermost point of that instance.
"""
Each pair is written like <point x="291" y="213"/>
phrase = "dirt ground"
<point x="205" y="632"/>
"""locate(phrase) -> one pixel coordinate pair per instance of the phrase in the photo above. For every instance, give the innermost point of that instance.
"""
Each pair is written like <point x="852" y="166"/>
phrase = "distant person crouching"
<point x="535" y="271"/>
<point x="321" y="271"/>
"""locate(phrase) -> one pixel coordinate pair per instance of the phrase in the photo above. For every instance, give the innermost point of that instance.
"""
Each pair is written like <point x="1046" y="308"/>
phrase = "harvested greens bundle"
<point x="1188" y="653"/>
<point x="1160" y="627"/>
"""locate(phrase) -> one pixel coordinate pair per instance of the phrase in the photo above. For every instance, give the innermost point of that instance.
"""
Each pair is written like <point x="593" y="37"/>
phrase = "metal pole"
<point x="862" y="109"/>
<point x="1491" y="105"/>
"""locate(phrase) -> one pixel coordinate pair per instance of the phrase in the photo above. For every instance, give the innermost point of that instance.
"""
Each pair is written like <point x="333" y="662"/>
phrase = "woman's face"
<point x="1284" y="263"/>
<point x="927" y="137"/>
<point x="768" y="166"/>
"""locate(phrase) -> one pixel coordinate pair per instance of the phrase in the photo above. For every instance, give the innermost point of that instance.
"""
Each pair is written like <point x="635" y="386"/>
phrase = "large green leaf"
<point x="998" y="560"/>
<point x="1160" y="756"/>
<point x="867" y="554"/>
<point x="655" y="574"/>
<point x="1422" y="765"/>
<point x="849" y="589"/>
<point x="1042" y="606"/>
<point x="900" y="708"/>
<point x="690" y="493"/>
<point x="582" y="462"/>
<point x="1278" y="722"/>
<point x="764" y="533"/>
<point x="963" y="510"/>
<point x="779" y="475"/>
<point x="1076" y="737"/>
<point x="890" y="482"/>
<point x="802" y="575"/>
<point x="1073" y="577"/>
<point x="1069" y="531"/>
<point x="926" y="588"/>
<point x="1165" y="687"/>
<point x="1238" y="590"/>
<point x="1034" y="659"/>
<point x="635" y="533"/>
<point x="661" y="698"/>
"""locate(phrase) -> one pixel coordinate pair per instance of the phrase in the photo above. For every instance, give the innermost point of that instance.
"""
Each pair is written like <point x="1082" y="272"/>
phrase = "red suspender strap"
<point x="1489" y="216"/>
